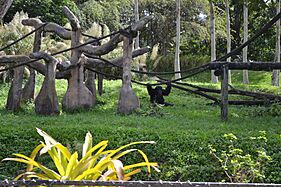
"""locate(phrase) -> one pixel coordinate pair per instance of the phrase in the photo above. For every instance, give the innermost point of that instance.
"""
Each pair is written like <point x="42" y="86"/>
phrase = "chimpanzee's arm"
<point x="150" y="90"/>
<point x="151" y="93"/>
<point x="167" y="91"/>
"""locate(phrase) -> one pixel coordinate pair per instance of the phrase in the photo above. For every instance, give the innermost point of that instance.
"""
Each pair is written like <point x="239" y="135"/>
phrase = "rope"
<point x="62" y="51"/>
<point x="23" y="37"/>
<point x="115" y="77"/>
<point x="150" y="73"/>
<point x="259" y="33"/>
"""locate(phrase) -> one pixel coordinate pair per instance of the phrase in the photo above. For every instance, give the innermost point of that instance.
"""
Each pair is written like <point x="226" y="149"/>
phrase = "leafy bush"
<point x="238" y="165"/>
<point x="274" y="110"/>
<point x="96" y="163"/>
<point x="166" y="63"/>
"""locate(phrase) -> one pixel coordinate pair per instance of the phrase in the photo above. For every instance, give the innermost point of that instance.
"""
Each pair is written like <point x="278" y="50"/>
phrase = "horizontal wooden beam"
<point x="255" y="66"/>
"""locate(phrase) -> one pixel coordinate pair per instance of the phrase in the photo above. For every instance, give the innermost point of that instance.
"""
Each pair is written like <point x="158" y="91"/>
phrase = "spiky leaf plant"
<point x="96" y="163"/>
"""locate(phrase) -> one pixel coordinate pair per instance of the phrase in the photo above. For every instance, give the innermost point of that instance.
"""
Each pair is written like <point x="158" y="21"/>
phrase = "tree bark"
<point x="77" y="95"/>
<point x="228" y="35"/>
<point x="275" y="75"/>
<point x="90" y="83"/>
<point x="115" y="40"/>
<point x="29" y="88"/>
<point x="177" y="53"/>
<point x="4" y="7"/>
<point x="100" y="84"/>
<point x="128" y="100"/>
<point x="14" y="95"/>
<point x="137" y="18"/>
<point x="46" y="103"/>
<point x="213" y="39"/>
<point x="245" y="50"/>
<point x="137" y="39"/>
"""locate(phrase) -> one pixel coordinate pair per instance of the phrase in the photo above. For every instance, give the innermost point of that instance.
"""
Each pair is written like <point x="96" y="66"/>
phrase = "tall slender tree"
<point x="275" y="75"/>
<point x="228" y="35"/>
<point x="213" y="39"/>
<point x="177" y="54"/>
<point x="137" y="39"/>
<point x="246" y="35"/>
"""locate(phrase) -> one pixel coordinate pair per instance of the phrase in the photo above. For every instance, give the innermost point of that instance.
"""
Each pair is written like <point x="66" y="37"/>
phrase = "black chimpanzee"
<point x="156" y="94"/>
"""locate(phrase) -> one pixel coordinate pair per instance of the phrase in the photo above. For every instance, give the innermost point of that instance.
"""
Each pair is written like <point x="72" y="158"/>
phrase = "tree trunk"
<point x="90" y="83"/>
<point x="137" y="39"/>
<point x="245" y="50"/>
<point x="228" y="35"/>
<point x="29" y="88"/>
<point x="137" y="18"/>
<point x="128" y="100"/>
<point x="100" y="84"/>
<point x="213" y="40"/>
<point x="4" y="7"/>
<point x="14" y="95"/>
<point x="46" y="103"/>
<point x="177" y="54"/>
<point x="275" y="75"/>
<point x="77" y="95"/>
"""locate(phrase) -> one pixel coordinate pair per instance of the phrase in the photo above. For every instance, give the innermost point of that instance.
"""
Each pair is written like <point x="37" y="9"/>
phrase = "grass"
<point x="182" y="132"/>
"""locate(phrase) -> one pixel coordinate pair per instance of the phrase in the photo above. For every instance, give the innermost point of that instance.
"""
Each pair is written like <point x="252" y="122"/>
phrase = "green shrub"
<point x="240" y="165"/>
<point x="166" y="63"/>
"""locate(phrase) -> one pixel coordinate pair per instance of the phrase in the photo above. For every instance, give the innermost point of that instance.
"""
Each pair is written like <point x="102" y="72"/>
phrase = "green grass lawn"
<point x="182" y="132"/>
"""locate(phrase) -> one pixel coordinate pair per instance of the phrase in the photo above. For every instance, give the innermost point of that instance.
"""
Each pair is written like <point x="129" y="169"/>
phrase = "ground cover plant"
<point x="182" y="133"/>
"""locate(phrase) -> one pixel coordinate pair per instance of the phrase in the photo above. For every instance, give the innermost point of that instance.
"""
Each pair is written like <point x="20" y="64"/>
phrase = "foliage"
<point x="166" y="63"/>
<point x="238" y="165"/>
<point x="109" y="13"/>
<point x="96" y="163"/>
<point x="273" y="110"/>
<point x="155" y="110"/>
<point x="14" y="30"/>
<point x="47" y="10"/>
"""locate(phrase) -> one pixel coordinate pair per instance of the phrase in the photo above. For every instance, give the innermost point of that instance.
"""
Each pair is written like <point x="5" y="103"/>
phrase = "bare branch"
<point x="50" y="27"/>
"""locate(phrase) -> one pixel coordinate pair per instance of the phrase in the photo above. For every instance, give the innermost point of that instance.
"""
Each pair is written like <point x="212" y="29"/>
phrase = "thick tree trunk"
<point x="128" y="100"/>
<point x="228" y="35"/>
<point x="77" y="95"/>
<point x="177" y="54"/>
<point x="14" y="95"/>
<point x="29" y="88"/>
<point x="245" y="50"/>
<point x="4" y="7"/>
<point x="46" y="103"/>
<point x="213" y="39"/>
<point x="275" y="75"/>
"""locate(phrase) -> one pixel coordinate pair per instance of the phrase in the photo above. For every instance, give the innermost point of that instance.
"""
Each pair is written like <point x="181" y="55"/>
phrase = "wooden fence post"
<point x="224" y="93"/>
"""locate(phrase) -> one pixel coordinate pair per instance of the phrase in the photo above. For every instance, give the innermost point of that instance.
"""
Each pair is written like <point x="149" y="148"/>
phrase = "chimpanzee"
<point x="156" y="94"/>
